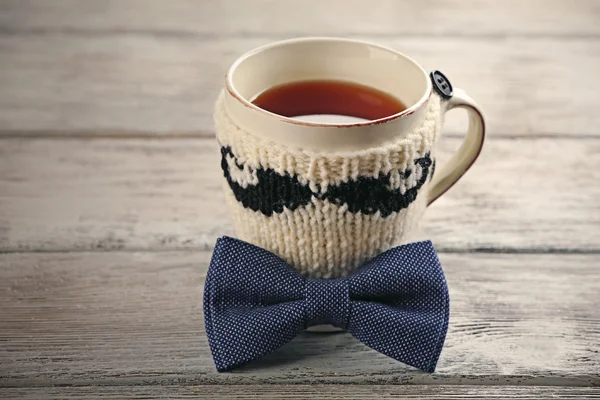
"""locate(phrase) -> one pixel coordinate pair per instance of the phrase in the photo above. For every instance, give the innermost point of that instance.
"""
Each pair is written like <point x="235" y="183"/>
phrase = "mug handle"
<point x="468" y="152"/>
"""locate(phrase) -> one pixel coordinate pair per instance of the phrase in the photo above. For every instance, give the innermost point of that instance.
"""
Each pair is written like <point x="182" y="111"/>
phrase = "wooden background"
<point x="110" y="198"/>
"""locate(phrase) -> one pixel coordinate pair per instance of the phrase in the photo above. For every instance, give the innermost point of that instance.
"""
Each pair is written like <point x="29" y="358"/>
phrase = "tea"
<point x="332" y="99"/>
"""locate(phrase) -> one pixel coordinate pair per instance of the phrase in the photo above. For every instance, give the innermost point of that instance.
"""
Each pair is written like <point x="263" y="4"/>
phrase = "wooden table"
<point x="110" y="198"/>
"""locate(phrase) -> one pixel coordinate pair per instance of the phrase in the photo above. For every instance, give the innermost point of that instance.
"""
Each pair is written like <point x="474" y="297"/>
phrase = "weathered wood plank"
<point x="136" y="318"/>
<point x="168" y="84"/>
<point x="217" y="18"/>
<point x="522" y="195"/>
<point x="327" y="392"/>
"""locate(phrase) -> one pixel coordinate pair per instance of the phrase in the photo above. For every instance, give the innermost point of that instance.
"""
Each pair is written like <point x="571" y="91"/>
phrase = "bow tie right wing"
<point x="253" y="303"/>
<point x="400" y="305"/>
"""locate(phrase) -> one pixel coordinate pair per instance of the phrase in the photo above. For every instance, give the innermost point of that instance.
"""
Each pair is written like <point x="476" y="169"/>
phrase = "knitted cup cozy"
<point x="327" y="213"/>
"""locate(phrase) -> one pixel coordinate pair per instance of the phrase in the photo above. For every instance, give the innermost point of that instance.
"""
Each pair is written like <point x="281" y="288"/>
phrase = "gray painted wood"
<point x="168" y="84"/>
<point x="216" y="18"/>
<point x="136" y="318"/>
<point x="327" y="392"/>
<point x="76" y="310"/>
<point x="530" y="195"/>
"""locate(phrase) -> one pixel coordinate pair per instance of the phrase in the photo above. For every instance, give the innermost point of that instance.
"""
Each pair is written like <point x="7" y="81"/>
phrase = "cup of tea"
<point x="328" y="149"/>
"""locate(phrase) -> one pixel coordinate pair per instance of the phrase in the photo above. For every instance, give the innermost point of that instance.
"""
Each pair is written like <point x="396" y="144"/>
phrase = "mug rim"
<point x="230" y="86"/>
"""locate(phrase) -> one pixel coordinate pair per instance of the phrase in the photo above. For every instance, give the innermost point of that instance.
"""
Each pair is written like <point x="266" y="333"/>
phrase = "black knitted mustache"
<point x="367" y="195"/>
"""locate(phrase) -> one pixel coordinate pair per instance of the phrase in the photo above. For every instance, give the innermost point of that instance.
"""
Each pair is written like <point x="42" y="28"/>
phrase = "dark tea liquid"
<point x="328" y="97"/>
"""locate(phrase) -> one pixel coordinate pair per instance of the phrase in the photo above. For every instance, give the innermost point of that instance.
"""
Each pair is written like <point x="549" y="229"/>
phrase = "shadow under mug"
<point x="328" y="197"/>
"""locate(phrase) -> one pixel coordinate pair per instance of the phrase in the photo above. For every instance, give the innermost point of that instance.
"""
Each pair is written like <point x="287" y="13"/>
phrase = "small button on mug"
<point x="441" y="84"/>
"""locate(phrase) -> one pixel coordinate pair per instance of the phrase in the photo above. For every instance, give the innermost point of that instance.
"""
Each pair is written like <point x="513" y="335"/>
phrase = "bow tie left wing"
<point x="400" y="305"/>
<point x="253" y="303"/>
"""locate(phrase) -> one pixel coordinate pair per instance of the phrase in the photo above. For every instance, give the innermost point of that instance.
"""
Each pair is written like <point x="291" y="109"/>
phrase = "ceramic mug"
<point x="327" y="197"/>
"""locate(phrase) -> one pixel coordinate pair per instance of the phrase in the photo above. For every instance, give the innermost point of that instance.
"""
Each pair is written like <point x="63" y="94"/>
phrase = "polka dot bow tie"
<point x="396" y="304"/>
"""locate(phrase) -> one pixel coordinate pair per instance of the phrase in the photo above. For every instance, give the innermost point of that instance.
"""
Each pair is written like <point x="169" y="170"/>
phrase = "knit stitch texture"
<point x="327" y="213"/>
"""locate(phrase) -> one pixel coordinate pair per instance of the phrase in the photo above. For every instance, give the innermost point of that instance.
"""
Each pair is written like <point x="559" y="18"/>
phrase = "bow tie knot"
<point x="327" y="302"/>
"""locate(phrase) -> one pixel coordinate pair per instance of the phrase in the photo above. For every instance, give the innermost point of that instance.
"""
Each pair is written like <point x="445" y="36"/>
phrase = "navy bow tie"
<point x="254" y="302"/>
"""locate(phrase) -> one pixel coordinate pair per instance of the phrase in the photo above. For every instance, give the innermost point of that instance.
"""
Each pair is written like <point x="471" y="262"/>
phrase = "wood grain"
<point x="110" y="198"/>
<point x="326" y="392"/>
<point x="530" y="195"/>
<point x="217" y="18"/>
<point x="166" y="84"/>
<point x="136" y="318"/>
